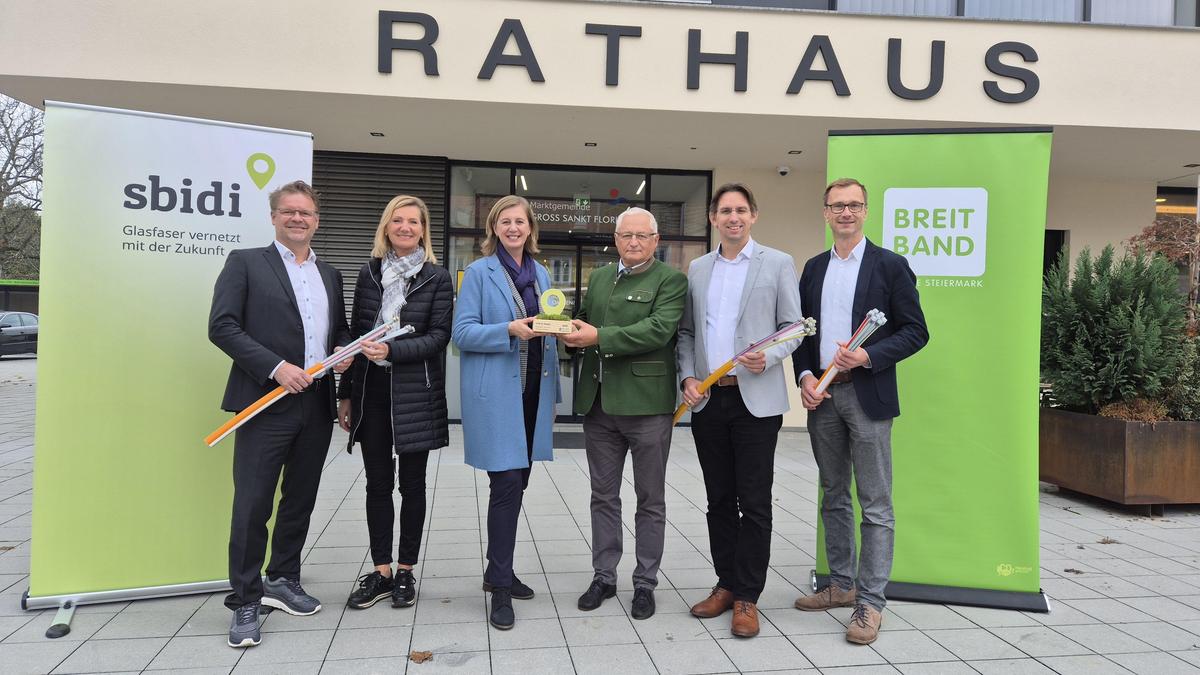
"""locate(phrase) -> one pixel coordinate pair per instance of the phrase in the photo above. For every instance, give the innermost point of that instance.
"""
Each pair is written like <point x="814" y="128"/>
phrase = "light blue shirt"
<point x="312" y="301"/>
<point x="724" y="302"/>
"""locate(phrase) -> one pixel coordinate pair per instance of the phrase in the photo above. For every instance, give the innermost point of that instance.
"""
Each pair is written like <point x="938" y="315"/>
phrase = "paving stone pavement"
<point x="1127" y="607"/>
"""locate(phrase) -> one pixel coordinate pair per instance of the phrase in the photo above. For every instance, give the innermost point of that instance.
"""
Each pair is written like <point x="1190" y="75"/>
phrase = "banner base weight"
<point x="121" y="595"/>
<point x="956" y="595"/>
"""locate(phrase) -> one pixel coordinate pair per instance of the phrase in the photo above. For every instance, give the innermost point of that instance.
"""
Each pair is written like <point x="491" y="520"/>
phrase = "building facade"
<point x="586" y="106"/>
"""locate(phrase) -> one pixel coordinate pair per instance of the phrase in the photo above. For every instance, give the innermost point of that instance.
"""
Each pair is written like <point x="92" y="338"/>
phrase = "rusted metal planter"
<point x="1139" y="463"/>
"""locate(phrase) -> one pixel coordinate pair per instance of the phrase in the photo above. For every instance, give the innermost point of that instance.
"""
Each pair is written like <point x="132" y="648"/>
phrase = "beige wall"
<point x="1097" y="213"/>
<point x="308" y="64"/>
<point x="1091" y="75"/>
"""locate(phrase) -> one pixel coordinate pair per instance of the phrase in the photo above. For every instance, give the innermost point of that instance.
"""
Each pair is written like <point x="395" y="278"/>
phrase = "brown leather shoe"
<point x="864" y="625"/>
<point x="745" y="619"/>
<point x="717" y="603"/>
<point x="827" y="598"/>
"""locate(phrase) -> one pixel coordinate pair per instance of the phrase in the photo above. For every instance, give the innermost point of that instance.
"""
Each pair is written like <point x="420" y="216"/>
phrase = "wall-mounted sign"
<point x="1021" y="84"/>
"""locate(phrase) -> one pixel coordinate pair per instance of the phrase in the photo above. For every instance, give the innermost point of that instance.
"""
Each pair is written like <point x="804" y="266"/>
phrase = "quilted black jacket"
<point x="418" y="359"/>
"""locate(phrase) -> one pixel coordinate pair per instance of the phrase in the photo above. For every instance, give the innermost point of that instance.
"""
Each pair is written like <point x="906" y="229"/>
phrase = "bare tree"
<point x="20" y="189"/>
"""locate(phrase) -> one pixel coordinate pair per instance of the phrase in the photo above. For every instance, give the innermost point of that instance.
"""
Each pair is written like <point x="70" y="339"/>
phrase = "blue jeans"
<point x="848" y="444"/>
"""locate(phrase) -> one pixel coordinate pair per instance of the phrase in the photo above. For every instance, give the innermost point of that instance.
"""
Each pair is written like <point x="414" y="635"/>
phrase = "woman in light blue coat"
<point x="509" y="384"/>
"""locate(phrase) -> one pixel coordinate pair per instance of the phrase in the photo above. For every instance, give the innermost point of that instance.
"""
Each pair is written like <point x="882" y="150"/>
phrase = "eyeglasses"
<point x="855" y="207"/>
<point x="640" y="236"/>
<point x="303" y="213"/>
<point x="727" y="211"/>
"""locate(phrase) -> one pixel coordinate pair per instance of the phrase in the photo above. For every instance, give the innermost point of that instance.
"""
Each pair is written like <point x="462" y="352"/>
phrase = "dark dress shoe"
<point x="643" y="603"/>
<point x="519" y="590"/>
<point x="596" y="594"/>
<point x="502" y="616"/>
<point x="717" y="603"/>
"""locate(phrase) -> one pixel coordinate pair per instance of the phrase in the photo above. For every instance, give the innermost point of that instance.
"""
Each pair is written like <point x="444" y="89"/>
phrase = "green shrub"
<point x="1183" y="395"/>
<point x="1114" y="333"/>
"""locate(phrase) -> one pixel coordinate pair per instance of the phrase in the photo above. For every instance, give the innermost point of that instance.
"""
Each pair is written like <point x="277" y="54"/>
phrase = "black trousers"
<point x="504" y="503"/>
<point x="737" y="456"/>
<point x="384" y="471"/>
<point x="291" y="437"/>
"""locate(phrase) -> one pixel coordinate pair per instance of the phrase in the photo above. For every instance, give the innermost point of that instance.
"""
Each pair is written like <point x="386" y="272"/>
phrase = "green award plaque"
<point x="552" y="320"/>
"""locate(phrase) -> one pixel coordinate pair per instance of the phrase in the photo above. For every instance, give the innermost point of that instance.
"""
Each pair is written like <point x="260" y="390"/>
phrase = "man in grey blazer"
<point x="737" y="294"/>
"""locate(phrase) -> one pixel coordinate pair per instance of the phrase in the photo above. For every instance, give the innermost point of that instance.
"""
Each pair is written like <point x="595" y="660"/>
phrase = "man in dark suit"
<point x="276" y="311"/>
<point x="850" y="423"/>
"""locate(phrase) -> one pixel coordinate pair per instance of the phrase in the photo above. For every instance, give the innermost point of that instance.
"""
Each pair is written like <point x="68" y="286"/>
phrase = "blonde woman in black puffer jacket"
<point x="393" y="399"/>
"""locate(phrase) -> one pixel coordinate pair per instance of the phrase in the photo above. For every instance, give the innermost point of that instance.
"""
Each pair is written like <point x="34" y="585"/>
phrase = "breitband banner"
<point x="967" y="208"/>
<point x="140" y="212"/>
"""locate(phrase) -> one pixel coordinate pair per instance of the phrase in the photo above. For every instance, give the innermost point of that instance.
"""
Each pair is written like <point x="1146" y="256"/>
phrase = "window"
<point x="579" y="202"/>
<point x="473" y="190"/>
<point x="902" y="7"/>
<point x="1144" y="13"/>
<point x="8" y="321"/>
<point x="1037" y="10"/>
<point x="680" y="204"/>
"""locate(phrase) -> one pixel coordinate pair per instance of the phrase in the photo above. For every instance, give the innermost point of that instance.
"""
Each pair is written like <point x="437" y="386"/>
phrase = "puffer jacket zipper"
<point x="391" y="406"/>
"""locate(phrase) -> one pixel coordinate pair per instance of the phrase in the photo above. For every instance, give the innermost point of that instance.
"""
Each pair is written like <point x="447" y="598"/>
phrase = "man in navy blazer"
<point x="850" y="423"/>
<point x="277" y="311"/>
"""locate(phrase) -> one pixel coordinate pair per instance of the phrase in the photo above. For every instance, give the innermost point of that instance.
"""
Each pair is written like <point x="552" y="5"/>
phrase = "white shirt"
<point x="312" y="300"/>
<point x="837" y="300"/>
<point x="724" y="301"/>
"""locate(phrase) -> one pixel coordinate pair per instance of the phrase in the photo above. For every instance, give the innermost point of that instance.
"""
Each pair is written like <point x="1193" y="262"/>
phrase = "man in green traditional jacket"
<point x="627" y="391"/>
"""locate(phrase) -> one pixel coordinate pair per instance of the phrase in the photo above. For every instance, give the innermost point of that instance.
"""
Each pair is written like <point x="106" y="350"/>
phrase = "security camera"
<point x="784" y="170"/>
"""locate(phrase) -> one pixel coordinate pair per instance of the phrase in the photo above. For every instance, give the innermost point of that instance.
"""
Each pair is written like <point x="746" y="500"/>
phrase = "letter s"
<point x="137" y="200"/>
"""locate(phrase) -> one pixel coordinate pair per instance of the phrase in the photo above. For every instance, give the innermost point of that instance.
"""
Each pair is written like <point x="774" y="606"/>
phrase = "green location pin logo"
<point x="261" y="168"/>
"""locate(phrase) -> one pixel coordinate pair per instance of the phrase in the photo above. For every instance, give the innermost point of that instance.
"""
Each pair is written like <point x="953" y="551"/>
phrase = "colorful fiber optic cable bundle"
<point x="796" y="331"/>
<point x="870" y="323"/>
<point x="381" y="333"/>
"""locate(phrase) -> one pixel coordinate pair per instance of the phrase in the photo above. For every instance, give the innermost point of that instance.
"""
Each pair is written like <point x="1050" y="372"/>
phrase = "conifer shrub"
<point x="1114" y="332"/>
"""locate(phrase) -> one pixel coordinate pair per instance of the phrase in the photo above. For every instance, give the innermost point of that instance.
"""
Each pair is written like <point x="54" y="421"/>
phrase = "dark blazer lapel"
<point x="816" y="287"/>
<point x="327" y="277"/>
<point x="275" y="262"/>
<point x="865" y="271"/>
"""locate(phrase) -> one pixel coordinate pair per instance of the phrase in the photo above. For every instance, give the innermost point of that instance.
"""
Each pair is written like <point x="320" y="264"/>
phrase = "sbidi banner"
<point x="140" y="212"/>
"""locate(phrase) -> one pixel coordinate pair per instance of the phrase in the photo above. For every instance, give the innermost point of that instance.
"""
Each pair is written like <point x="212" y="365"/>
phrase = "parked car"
<point x="18" y="333"/>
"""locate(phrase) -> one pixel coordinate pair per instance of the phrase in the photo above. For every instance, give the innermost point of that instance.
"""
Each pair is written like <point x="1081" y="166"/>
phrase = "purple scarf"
<point x="523" y="277"/>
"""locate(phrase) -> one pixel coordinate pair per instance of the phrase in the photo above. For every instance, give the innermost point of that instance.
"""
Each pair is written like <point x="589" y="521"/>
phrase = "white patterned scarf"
<point x="396" y="272"/>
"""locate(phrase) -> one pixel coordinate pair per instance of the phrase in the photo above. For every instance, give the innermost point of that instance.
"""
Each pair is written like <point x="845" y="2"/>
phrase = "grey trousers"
<point x="608" y="438"/>
<point x="846" y="444"/>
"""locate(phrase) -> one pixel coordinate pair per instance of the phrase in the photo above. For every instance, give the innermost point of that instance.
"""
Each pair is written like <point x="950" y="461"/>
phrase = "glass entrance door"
<point x="570" y="265"/>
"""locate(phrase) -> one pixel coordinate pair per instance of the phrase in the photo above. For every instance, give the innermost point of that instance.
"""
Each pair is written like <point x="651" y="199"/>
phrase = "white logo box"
<point x="941" y="231"/>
